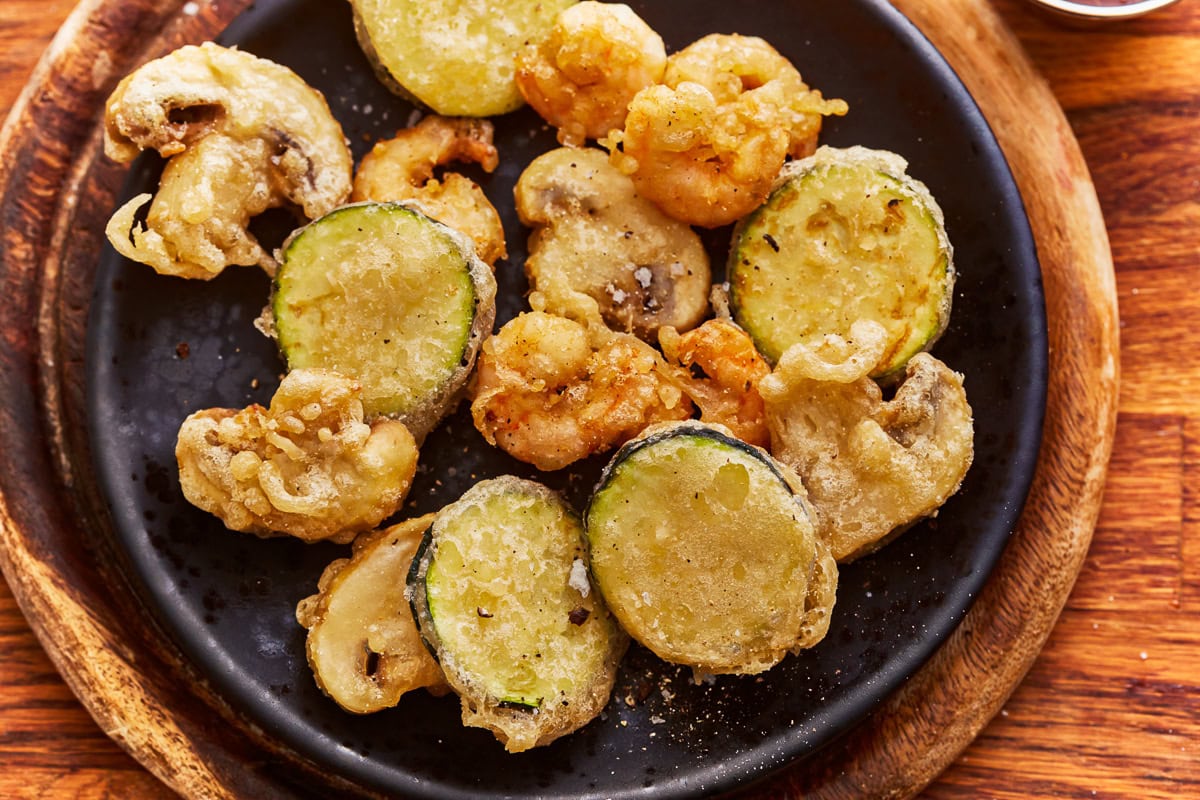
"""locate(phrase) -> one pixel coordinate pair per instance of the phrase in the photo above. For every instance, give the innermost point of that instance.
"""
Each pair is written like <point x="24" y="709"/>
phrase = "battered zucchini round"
<point x="845" y="235"/>
<point x="457" y="58"/>
<point x="384" y="294"/>
<point x="705" y="552"/>
<point x="501" y="593"/>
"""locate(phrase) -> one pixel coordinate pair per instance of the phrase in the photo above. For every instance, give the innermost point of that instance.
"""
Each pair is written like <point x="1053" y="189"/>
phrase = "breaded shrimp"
<point x="402" y="169"/>
<point x="581" y="78"/>
<point x="720" y="373"/>
<point x="549" y="395"/>
<point x="749" y="70"/>
<point x="706" y="144"/>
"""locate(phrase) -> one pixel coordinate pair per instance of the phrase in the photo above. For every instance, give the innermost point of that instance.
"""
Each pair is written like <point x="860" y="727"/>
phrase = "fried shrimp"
<point x="581" y="78"/>
<point x="549" y="395"/>
<point x="720" y="374"/>
<point x="746" y="69"/>
<point x="242" y="135"/>
<point x="308" y="466"/>
<point x="707" y="143"/>
<point x="402" y="169"/>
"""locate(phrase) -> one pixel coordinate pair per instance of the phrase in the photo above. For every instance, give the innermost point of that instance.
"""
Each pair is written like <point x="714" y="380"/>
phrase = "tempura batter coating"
<point x="871" y="467"/>
<point x="720" y="374"/>
<point x="402" y="169"/>
<point x="308" y="466"/>
<point x="582" y="76"/>
<point x="549" y="396"/>
<point x="597" y="242"/>
<point x="243" y="135"/>
<point x="363" y="645"/>
<point x="706" y="551"/>
<point x="706" y="144"/>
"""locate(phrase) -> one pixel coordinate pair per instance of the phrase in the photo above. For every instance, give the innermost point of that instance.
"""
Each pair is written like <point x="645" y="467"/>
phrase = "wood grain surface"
<point x="1111" y="708"/>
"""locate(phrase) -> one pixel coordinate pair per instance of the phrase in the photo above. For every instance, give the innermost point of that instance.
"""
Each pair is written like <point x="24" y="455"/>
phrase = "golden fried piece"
<point x="595" y="240"/>
<point x="363" y="645"/>
<point x="720" y="374"/>
<point x="871" y="467"/>
<point x="706" y="144"/>
<point x="401" y="169"/>
<point x="307" y="466"/>
<point x="747" y="70"/>
<point x="822" y="596"/>
<point x="549" y="396"/>
<point x="582" y="76"/>
<point x="243" y="135"/>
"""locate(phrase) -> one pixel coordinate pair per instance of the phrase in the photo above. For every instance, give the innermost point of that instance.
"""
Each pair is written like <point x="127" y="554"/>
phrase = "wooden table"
<point x="1112" y="706"/>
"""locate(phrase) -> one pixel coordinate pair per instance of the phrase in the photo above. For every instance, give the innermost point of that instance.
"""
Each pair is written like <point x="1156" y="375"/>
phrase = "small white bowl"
<point x="1080" y="10"/>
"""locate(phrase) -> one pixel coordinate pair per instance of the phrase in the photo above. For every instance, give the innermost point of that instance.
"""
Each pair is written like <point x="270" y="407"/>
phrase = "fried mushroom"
<point x="363" y="645"/>
<point x="242" y="135"/>
<point x="308" y="466"/>
<point x="871" y="467"/>
<point x="595" y="237"/>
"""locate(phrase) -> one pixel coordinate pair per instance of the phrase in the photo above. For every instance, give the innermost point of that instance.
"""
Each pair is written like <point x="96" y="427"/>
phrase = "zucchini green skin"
<point x="384" y="294"/>
<point x="845" y="235"/>
<point x="418" y="600"/>
<point x="698" y="430"/>
<point x="410" y="45"/>
<point x="703" y="549"/>
<point x="538" y="659"/>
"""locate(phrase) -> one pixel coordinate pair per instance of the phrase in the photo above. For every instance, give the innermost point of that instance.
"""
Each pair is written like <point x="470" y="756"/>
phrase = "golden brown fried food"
<point x="871" y="467"/>
<point x="401" y="169"/>
<point x="748" y="70"/>
<point x="822" y="596"/>
<point x="548" y="395"/>
<point x="706" y="144"/>
<point x="363" y="645"/>
<point x="308" y="466"/>
<point x="501" y="593"/>
<point x="706" y="551"/>
<point x="596" y="240"/>
<point x="720" y="373"/>
<point x="243" y="135"/>
<point x="456" y="58"/>
<point x="582" y="76"/>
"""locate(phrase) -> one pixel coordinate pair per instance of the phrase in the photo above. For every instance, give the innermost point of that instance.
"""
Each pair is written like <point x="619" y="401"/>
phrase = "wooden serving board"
<point x="55" y="193"/>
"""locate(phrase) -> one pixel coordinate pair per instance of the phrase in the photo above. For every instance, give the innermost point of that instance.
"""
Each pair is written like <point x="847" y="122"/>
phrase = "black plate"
<point x="160" y="348"/>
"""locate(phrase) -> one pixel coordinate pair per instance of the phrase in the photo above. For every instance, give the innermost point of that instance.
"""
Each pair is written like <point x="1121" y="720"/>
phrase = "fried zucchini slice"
<point x="501" y="592"/>
<point x="458" y="57"/>
<point x="846" y="235"/>
<point x="705" y="551"/>
<point x="362" y="643"/>
<point x="390" y="297"/>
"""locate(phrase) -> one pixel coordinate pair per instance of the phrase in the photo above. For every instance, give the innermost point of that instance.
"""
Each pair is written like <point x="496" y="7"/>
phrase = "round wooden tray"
<point x="56" y="191"/>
